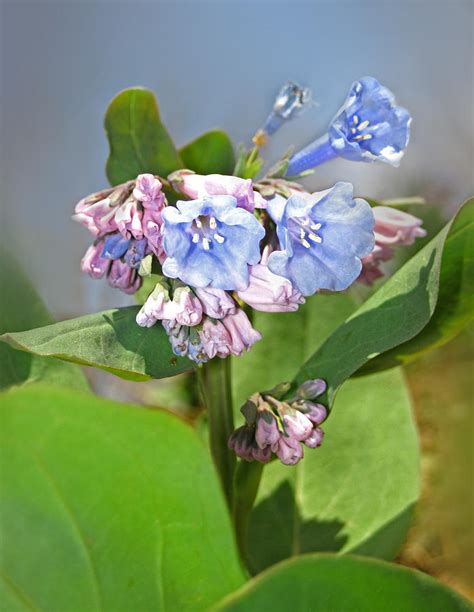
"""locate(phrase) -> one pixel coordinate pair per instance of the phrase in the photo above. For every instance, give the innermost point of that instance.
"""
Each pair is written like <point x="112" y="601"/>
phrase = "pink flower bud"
<point x="93" y="263"/>
<point x="98" y="218"/>
<point x="394" y="227"/>
<point x="371" y="264"/>
<point x="188" y="309"/>
<point x="288" y="450"/>
<point x="216" y="303"/>
<point x="241" y="442"/>
<point x="263" y="455"/>
<point x="122" y="277"/>
<point x="317" y="413"/>
<point x="156" y="307"/>
<point x="197" y="186"/>
<point x="311" y="388"/>
<point x="215" y="339"/>
<point x="148" y="191"/>
<point x="267" y="432"/>
<point x="242" y="334"/>
<point x="315" y="439"/>
<point x="269" y="292"/>
<point x="129" y="219"/>
<point x="297" y="425"/>
<point x="152" y="224"/>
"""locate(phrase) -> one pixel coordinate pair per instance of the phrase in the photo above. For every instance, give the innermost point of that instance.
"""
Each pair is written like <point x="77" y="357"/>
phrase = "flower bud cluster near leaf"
<point x="225" y="244"/>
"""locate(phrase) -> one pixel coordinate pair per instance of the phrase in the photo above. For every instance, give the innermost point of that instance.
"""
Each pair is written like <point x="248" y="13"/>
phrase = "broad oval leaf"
<point x="355" y="493"/>
<point x="138" y="139"/>
<point x="23" y="309"/>
<point x="455" y="304"/>
<point x="108" y="507"/>
<point x="210" y="153"/>
<point x="325" y="583"/>
<point x="109" y="340"/>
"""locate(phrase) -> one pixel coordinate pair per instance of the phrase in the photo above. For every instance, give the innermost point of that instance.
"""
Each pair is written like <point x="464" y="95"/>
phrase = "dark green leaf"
<point x="325" y="583"/>
<point x="21" y="308"/>
<point x="138" y="139"/>
<point x="108" y="507"/>
<point x="355" y="493"/>
<point x="455" y="305"/>
<point x="210" y="153"/>
<point x="110" y="340"/>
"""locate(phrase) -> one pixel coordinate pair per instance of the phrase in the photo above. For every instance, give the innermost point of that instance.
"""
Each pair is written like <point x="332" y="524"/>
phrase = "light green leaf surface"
<point x="108" y="507"/>
<point x="325" y="583"/>
<point x="210" y="153"/>
<point x="109" y="340"/>
<point x="138" y="139"/>
<point x="21" y="308"/>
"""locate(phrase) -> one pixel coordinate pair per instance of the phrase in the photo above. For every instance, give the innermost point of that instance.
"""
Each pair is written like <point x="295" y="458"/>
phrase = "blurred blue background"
<point x="214" y="64"/>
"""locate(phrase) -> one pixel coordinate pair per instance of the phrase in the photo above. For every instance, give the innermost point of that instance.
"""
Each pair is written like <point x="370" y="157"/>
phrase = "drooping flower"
<point x="216" y="303"/>
<point x="121" y="276"/>
<point x="197" y="186"/>
<point x="270" y="293"/>
<point x="210" y="242"/>
<point x="368" y="127"/>
<point x="93" y="263"/>
<point x="322" y="238"/>
<point x="97" y="211"/>
<point x="148" y="191"/>
<point x="184" y="308"/>
<point x="241" y="332"/>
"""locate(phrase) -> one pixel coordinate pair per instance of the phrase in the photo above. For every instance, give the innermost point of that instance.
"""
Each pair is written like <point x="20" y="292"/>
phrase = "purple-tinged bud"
<point x="93" y="263"/>
<point x="178" y="337"/>
<point x="196" y="351"/>
<point x="157" y="306"/>
<point x="267" y="432"/>
<point x="216" y="303"/>
<point x="269" y="292"/>
<point x="98" y="218"/>
<point x="315" y="439"/>
<point x="371" y="270"/>
<point x="311" y="388"/>
<point x="394" y="227"/>
<point x="188" y="308"/>
<point x="241" y="442"/>
<point x="148" y="191"/>
<point x="129" y="219"/>
<point x="296" y="424"/>
<point x="215" y="338"/>
<point x="145" y="320"/>
<point x="152" y="224"/>
<point x="122" y="277"/>
<point x="262" y="455"/>
<point x="93" y="198"/>
<point x="136" y="252"/>
<point x="317" y="413"/>
<point x="242" y="334"/>
<point x="115" y="246"/>
<point x="288" y="450"/>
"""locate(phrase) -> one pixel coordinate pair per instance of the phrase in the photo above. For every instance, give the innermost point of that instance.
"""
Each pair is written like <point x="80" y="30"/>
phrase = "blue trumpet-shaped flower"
<point x="323" y="237"/>
<point x="211" y="242"/>
<point x="369" y="127"/>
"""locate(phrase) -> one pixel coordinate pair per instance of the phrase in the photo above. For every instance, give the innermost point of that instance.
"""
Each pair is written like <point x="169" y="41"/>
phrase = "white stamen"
<point x="195" y="238"/>
<point x="212" y="223"/>
<point x="314" y="238"/>
<point x="205" y="243"/>
<point x="220" y="239"/>
<point x="363" y="125"/>
<point x="367" y="136"/>
<point x="305" y="243"/>
<point x="353" y="130"/>
<point x="315" y="226"/>
<point x="355" y="119"/>
<point x="305" y="221"/>
<point x="198" y="223"/>
<point x="302" y="233"/>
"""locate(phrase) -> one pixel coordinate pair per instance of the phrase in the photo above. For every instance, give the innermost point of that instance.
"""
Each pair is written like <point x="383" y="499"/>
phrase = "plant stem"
<point x="214" y="377"/>
<point x="246" y="483"/>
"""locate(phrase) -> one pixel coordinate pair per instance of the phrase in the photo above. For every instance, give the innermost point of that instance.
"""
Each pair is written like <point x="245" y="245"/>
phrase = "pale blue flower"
<point x="323" y="237"/>
<point x="211" y="242"/>
<point x="369" y="127"/>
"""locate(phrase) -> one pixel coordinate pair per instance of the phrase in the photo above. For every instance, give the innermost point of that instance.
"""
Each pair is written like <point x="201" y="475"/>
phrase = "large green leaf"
<point x="325" y="583"/>
<point x="355" y="493"/>
<point x="210" y="153"/>
<point x="138" y="139"/>
<point x="21" y="308"/>
<point x="455" y="304"/>
<point x="108" y="507"/>
<point x="397" y="312"/>
<point x="110" y="340"/>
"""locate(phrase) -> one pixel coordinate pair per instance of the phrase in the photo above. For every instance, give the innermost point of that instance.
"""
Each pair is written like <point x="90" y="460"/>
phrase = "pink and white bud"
<point x="215" y="339"/>
<point x="148" y="191"/>
<point x="371" y="264"/>
<point x="267" y="432"/>
<point x="98" y="218"/>
<point x="188" y="308"/>
<point x="93" y="263"/>
<point x="157" y="306"/>
<point x="288" y="450"/>
<point x="269" y="292"/>
<point x="152" y="224"/>
<point x="394" y="227"/>
<point x="297" y="425"/>
<point x="242" y="334"/>
<point x="198" y="186"/>
<point x="216" y="303"/>
<point x="317" y="413"/>
<point x="315" y="439"/>
<point x="122" y="277"/>
<point x="129" y="219"/>
<point x="262" y="455"/>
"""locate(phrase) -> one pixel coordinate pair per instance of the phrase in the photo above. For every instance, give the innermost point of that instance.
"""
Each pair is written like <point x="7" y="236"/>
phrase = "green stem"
<point x="214" y="377"/>
<point x="246" y="483"/>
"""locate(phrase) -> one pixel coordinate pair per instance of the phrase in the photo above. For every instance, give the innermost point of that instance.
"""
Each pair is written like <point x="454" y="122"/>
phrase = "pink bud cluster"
<point x="279" y="427"/>
<point x="393" y="228"/>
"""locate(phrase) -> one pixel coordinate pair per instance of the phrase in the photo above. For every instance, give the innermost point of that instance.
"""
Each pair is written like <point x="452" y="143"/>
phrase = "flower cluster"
<point x="224" y="244"/>
<point x="280" y="427"/>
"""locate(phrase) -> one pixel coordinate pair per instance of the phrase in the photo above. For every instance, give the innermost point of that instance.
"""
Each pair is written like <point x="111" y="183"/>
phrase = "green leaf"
<point x="138" y="139"/>
<point x="210" y="153"/>
<point x="325" y="583"/>
<point x="109" y="340"/>
<point x="355" y="493"/>
<point x="455" y="304"/>
<point x="108" y="507"/>
<point x="21" y="309"/>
